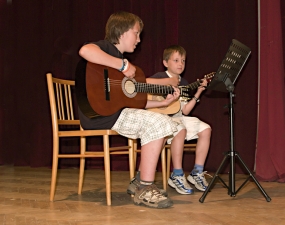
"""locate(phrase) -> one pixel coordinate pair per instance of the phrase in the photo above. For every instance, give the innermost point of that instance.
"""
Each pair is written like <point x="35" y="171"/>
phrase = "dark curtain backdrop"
<point x="44" y="36"/>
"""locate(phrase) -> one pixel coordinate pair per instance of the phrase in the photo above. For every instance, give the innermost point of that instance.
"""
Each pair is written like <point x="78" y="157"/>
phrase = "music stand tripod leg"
<point x="232" y="190"/>
<point x="268" y="199"/>
<point x="213" y="179"/>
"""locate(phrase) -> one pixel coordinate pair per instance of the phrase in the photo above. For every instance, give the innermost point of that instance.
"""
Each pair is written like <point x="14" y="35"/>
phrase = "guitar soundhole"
<point x="128" y="87"/>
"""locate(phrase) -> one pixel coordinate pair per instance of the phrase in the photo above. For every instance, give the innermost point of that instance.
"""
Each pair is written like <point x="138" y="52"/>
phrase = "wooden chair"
<point x="187" y="147"/>
<point x="163" y="163"/>
<point x="62" y="113"/>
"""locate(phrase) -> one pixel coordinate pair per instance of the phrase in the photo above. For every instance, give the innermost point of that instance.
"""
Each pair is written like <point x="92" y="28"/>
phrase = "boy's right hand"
<point x="172" y="97"/>
<point x="131" y="71"/>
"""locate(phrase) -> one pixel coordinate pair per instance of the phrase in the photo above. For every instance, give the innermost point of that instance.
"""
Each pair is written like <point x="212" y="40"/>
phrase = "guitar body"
<point x="173" y="108"/>
<point x="185" y="93"/>
<point x="108" y="90"/>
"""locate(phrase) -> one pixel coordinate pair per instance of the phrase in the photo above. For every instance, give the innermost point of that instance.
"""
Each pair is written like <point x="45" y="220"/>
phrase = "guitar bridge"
<point x="107" y="85"/>
<point x="184" y="93"/>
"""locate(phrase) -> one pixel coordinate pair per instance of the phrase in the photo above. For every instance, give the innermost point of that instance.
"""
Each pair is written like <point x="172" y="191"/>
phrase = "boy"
<point x="122" y="35"/>
<point x="174" y="60"/>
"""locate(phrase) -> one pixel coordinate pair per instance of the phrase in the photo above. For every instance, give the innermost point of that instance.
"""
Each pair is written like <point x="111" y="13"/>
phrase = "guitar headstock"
<point x="209" y="76"/>
<point x="186" y="92"/>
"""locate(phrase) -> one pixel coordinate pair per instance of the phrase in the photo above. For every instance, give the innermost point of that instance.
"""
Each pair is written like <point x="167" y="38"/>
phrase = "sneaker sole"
<point x="193" y="182"/>
<point x="165" y="194"/>
<point x="171" y="184"/>
<point x="163" y="206"/>
<point x="130" y="192"/>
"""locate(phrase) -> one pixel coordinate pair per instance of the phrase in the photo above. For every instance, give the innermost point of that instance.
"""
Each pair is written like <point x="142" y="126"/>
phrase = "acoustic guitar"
<point x="102" y="90"/>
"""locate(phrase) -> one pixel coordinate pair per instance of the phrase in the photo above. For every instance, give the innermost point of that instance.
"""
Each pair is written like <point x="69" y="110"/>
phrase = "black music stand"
<point x="224" y="81"/>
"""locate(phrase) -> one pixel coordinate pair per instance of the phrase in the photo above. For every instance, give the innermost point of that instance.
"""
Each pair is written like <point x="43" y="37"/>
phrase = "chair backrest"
<point x="61" y="101"/>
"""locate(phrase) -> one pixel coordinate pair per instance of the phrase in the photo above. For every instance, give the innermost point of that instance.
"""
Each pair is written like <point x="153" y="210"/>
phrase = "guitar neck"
<point x="154" y="89"/>
<point x="193" y="85"/>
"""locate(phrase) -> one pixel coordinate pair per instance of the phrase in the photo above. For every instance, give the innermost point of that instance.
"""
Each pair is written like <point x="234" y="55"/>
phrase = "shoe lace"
<point x="200" y="178"/>
<point x="154" y="191"/>
<point x="205" y="173"/>
<point x="183" y="181"/>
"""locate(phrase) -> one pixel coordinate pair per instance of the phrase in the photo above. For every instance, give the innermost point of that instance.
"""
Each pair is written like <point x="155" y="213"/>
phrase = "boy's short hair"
<point x="119" y="23"/>
<point x="171" y="49"/>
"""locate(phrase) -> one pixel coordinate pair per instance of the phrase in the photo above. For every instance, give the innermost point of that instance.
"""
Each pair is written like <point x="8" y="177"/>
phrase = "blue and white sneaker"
<point x="180" y="184"/>
<point x="199" y="180"/>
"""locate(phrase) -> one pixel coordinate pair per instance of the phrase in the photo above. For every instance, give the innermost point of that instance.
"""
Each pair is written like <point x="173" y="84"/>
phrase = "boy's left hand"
<point x="203" y="84"/>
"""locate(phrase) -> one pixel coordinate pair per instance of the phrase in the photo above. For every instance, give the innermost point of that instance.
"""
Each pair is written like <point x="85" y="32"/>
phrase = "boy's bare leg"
<point x="135" y="181"/>
<point x="202" y="147"/>
<point x="177" y="147"/>
<point x="197" y="177"/>
<point x="150" y="153"/>
<point x="146" y="193"/>
<point x="177" y="178"/>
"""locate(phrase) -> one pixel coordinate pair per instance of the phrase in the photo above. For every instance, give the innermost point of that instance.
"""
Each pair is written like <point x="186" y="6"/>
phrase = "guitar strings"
<point x="118" y="82"/>
<point x="144" y="87"/>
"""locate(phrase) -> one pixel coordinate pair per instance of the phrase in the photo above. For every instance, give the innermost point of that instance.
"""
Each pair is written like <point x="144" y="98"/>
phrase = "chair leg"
<point x="135" y="156"/>
<point x="131" y="143"/>
<point x="82" y="164"/>
<point x="168" y="163"/>
<point x="54" y="167"/>
<point x="107" y="168"/>
<point x="163" y="168"/>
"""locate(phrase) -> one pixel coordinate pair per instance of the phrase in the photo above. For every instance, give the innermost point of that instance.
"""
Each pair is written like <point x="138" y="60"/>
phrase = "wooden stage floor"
<point x="24" y="199"/>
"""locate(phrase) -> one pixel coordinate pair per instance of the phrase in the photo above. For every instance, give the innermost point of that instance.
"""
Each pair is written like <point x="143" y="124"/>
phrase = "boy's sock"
<point x="137" y="176"/>
<point x="144" y="184"/>
<point x="197" y="169"/>
<point x="177" y="172"/>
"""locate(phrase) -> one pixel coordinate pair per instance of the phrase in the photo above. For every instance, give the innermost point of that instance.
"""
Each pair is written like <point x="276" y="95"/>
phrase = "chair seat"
<point x="74" y="133"/>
